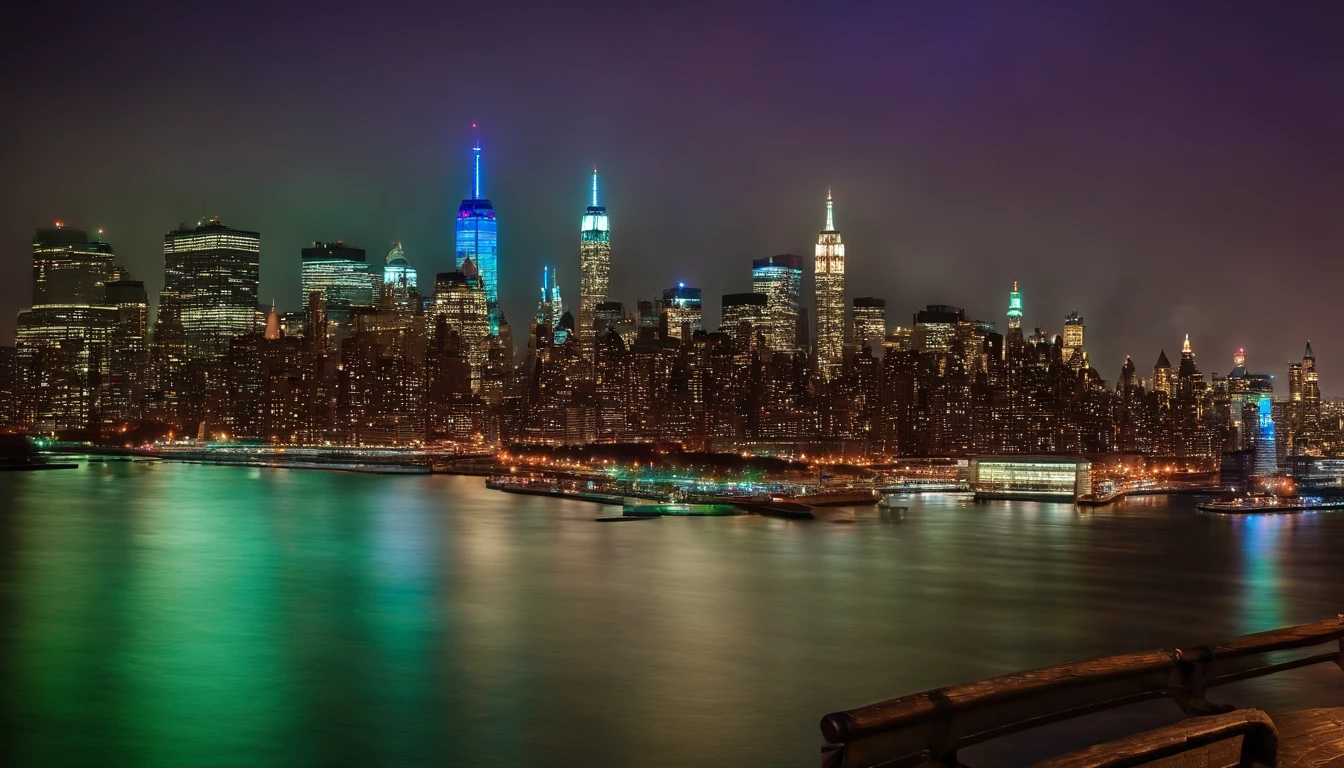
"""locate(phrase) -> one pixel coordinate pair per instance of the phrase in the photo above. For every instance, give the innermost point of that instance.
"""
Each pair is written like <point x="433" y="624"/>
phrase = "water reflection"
<point x="171" y="614"/>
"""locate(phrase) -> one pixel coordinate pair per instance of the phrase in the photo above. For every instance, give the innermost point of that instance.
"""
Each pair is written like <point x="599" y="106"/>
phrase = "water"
<point x="170" y="614"/>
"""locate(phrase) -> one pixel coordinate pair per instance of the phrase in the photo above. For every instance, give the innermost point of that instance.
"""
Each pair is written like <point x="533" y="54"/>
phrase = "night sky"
<point x="1162" y="171"/>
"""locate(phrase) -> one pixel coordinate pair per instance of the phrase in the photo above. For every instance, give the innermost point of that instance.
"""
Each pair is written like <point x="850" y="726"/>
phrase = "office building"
<point x="742" y="317"/>
<point x="400" y="283"/>
<point x="340" y="273"/>
<point x="680" y="311"/>
<point x="779" y="279"/>
<point x="211" y="274"/>
<point x="870" y="323"/>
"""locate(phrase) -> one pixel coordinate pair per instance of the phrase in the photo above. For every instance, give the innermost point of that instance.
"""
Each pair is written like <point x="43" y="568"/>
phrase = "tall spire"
<point x="830" y="213"/>
<point x="594" y="186"/>
<point x="1308" y="355"/>
<point x="476" y="162"/>
<point x="1185" y="348"/>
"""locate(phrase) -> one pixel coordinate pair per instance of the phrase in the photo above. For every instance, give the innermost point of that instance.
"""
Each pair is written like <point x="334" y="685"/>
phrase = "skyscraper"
<point x="829" y="267"/>
<point x="681" y="307"/>
<point x="594" y="268"/>
<point x="399" y="280"/>
<point x="341" y="274"/>
<point x="741" y="318"/>
<point x="870" y="323"/>
<point x="69" y="267"/>
<point x="1014" y="308"/>
<point x="210" y="273"/>
<point x="1073" y="340"/>
<point x="780" y="278"/>
<point x="478" y="236"/>
<point x="460" y="298"/>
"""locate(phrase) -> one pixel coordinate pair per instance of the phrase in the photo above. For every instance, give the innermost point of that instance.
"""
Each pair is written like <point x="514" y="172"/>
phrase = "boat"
<point x="1250" y="505"/>
<point x="623" y="518"/>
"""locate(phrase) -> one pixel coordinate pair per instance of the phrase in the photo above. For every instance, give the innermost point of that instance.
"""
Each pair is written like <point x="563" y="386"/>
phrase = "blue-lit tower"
<point x="478" y="237"/>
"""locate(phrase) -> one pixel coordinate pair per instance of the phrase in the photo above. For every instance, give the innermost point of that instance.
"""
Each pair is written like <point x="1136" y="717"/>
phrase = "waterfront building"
<point x="742" y="317"/>
<point x="779" y="279"/>
<point x="1045" y="478"/>
<point x="211" y="272"/>
<point x="870" y="323"/>
<point x="478" y="238"/>
<point x="680" y="311"/>
<point x="829" y="283"/>
<point x="63" y="350"/>
<point x="400" y="283"/>
<point x="594" y="269"/>
<point x="340" y="273"/>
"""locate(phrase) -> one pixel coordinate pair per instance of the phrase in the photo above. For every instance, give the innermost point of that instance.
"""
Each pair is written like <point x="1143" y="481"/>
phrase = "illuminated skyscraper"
<point x="681" y="307"/>
<point x="741" y="318"/>
<point x="1162" y="375"/>
<point x="1014" y="308"/>
<point x="459" y="297"/>
<point x="594" y="268"/>
<point x="340" y="273"/>
<point x="399" y="279"/>
<point x="870" y="323"/>
<point x="478" y="236"/>
<point x="211" y="273"/>
<point x="1304" y="403"/>
<point x="780" y="278"/>
<point x="1073" y="340"/>
<point x="829" y="267"/>
<point x="69" y="267"/>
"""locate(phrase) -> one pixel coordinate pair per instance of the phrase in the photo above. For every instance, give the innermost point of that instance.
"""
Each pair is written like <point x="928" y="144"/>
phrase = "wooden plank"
<point x="1260" y="742"/>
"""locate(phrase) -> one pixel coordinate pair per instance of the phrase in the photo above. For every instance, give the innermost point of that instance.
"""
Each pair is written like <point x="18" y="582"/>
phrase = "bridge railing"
<point x="930" y="727"/>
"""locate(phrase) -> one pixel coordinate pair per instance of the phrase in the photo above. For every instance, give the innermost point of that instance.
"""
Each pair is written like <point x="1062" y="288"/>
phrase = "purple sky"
<point x="1160" y="170"/>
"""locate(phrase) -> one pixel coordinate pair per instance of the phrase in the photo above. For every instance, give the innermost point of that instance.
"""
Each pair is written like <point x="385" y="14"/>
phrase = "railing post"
<point x="1188" y="680"/>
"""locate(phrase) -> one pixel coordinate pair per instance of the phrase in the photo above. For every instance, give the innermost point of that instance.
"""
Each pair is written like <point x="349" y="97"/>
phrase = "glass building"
<point x="210" y="274"/>
<point x="594" y="268"/>
<point x="340" y="273"/>
<point x="829" y="277"/>
<point x="780" y="279"/>
<point x="478" y="238"/>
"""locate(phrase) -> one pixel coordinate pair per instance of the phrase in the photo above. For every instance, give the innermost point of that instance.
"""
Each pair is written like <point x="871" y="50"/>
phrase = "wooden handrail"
<point x="936" y="723"/>
<point x="1259" y="744"/>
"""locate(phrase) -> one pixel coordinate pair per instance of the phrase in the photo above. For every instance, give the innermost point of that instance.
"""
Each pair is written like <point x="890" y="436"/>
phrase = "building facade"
<point x="829" y="278"/>
<point x="211" y="273"/>
<point x="594" y="269"/>
<point x="779" y="279"/>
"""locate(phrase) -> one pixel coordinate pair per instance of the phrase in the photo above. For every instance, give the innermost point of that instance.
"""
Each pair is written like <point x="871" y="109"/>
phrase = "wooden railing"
<point x="930" y="727"/>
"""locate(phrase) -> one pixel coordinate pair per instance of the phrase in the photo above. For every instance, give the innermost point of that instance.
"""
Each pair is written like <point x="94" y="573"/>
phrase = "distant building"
<point x="936" y="327"/>
<point x="341" y="274"/>
<point x="870" y="323"/>
<point x="742" y="318"/>
<point x="1044" y="478"/>
<point x="1073" y="340"/>
<point x="210" y="274"/>
<point x="829" y="282"/>
<point x="478" y="238"/>
<point x="69" y="268"/>
<point x="594" y="269"/>
<point x="681" y="311"/>
<point x="779" y="279"/>
<point x="460" y="298"/>
<point x="400" y="289"/>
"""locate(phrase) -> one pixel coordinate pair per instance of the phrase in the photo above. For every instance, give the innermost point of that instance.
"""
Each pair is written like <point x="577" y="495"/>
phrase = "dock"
<point x="930" y="727"/>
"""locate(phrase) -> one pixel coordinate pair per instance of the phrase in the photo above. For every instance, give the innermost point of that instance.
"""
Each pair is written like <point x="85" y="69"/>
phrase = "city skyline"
<point x="1145" y="232"/>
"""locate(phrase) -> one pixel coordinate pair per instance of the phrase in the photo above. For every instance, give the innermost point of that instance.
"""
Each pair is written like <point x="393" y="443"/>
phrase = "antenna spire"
<point x="594" y="186"/>
<point x="830" y="213"/>
<point x="476" y="161"/>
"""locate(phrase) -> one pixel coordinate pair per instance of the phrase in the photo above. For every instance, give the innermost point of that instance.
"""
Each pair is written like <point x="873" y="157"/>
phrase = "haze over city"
<point x="1160" y="170"/>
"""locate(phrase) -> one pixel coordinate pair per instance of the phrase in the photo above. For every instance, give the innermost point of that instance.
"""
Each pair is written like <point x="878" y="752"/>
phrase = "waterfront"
<point x="167" y="614"/>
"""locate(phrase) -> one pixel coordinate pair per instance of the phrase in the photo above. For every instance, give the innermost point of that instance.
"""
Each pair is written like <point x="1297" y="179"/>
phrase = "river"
<point x="162" y="614"/>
